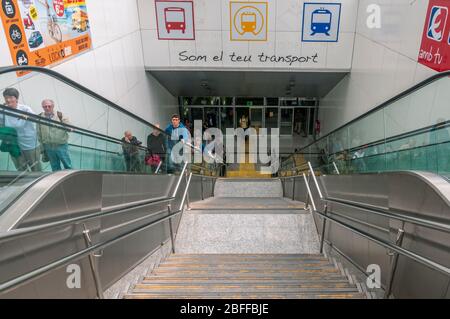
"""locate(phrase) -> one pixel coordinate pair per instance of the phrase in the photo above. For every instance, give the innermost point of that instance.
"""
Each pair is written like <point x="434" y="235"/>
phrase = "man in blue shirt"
<point x="26" y="133"/>
<point x="176" y="131"/>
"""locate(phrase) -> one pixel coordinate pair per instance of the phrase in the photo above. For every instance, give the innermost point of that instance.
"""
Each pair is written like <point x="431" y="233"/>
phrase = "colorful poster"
<point x="44" y="32"/>
<point x="435" y="47"/>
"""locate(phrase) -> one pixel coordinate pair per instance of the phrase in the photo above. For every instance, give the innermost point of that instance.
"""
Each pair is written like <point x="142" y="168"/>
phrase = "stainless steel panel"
<point x="417" y="194"/>
<point x="21" y="256"/>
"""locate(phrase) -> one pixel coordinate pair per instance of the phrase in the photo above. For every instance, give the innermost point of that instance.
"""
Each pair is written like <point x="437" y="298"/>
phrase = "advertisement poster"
<point x="45" y="32"/>
<point x="435" y="47"/>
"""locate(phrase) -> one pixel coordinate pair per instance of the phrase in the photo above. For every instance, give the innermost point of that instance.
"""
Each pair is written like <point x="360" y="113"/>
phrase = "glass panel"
<point x="256" y="118"/>
<point x="411" y="133"/>
<point x="249" y="101"/>
<point x="271" y="118"/>
<point x="211" y="118"/>
<point x="286" y="121"/>
<point x="272" y="101"/>
<point x="300" y="121"/>
<point x="226" y="118"/>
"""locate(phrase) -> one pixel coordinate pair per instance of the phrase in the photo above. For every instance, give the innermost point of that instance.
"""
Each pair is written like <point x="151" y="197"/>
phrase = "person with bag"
<point x="30" y="150"/>
<point x="155" y="149"/>
<point x="54" y="140"/>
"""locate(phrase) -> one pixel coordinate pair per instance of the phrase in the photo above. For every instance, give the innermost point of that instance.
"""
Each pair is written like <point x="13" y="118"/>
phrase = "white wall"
<point x="212" y="24"/>
<point x="114" y="69"/>
<point x="384" y="62"/>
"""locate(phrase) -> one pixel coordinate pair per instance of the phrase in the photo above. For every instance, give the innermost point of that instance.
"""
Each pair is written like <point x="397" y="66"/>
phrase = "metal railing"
<point x="394" y="247"/>
<point x="91" y="248"/>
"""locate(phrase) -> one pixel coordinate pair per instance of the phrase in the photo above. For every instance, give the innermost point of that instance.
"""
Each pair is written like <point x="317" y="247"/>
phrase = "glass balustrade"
<point x="410" y="133"/>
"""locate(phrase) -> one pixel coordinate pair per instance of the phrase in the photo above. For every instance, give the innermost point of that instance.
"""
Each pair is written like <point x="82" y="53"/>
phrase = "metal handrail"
<point x="401" y="217"/>
<point x="23" y="279"/>
<point x="378" y="211"/>
<point x="110" y="211"/>
<point x="28" y="231"/>
<point x="405" y="252"/>
<point x="396" y="248"/>
<point x="20" y="280"/>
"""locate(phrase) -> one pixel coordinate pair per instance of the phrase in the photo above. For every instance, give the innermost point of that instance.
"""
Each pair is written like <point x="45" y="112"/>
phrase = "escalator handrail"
<point x="378" y="211"/>
<point x="79" y="87"/>
<point x="62" y="126"/>
<point x="27" y="231"/>
<point x="382" y="105"/>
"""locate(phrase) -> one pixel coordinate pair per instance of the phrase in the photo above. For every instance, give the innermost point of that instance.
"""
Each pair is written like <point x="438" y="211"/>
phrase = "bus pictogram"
<point x="175" y="19"/>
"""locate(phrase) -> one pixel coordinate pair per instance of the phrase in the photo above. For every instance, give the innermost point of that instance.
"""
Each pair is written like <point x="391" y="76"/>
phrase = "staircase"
<point x="247" y="242"/>
<point x="185" y="276"/>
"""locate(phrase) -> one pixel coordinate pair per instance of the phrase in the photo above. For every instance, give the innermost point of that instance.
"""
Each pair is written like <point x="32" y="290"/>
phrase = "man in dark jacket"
<point x="130" y="147"/>
<point x="156" y="144"/>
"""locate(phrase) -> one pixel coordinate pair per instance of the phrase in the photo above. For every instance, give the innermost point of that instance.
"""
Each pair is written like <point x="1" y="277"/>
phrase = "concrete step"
<point x="214" y="272"/>
<point x="249" y="276"/>
<point x="267" y="188"/>
<point x="232" y="289"/>
<point x="244" y="281"/>
<point x="272" y="276"/>
<point x="330" y="295"/>
<point x="246" y="256"/>
<point x="240" y="267"/>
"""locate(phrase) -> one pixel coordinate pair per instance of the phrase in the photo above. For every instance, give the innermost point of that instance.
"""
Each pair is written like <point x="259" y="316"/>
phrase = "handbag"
<point x="152" y="160"/>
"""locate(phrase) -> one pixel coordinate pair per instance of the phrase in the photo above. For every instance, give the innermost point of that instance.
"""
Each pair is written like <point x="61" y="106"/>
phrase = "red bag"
<point x="152" y="160"/>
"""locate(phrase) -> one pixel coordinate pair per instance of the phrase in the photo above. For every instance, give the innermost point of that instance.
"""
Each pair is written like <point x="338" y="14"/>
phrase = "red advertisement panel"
<point x="435" y="48"/>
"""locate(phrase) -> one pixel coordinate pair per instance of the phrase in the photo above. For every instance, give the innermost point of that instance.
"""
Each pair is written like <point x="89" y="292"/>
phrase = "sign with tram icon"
<point x="175" y="20"/>
<point x="248" y="21"/>
<point x="321" y="22"/>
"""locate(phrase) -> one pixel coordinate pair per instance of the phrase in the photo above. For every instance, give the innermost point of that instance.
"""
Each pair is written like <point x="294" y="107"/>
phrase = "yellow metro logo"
<point x="248" y="21"/>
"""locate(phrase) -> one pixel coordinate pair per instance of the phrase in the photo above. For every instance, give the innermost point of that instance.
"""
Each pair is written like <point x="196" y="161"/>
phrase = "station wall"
<point x="214" y="37"/>
<point x="114" y="68"/>
<point x="384" y="64"/>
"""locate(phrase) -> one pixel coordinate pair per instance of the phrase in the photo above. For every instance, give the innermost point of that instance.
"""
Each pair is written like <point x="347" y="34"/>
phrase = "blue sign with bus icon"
<point x="321" y="22"/>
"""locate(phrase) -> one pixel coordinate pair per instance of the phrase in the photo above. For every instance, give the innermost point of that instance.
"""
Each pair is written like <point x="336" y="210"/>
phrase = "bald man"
<point x="130" y="147"/>
<point x="54" y="140"/>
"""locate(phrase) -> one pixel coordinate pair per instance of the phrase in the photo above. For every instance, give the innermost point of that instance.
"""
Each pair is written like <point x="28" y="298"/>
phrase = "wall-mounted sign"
<point x="435" y="47"/>
<point x="44" y="32"/>
<point x="321" y="22"/>
<point x="175" y="20"/>
<point x="248" y="21"/>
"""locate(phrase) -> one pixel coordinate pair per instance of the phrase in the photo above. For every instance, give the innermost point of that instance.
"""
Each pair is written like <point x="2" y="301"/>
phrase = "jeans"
<point x="57" y="154"/>
<point x="132" y="163"/>
<point x="28" y="159"/>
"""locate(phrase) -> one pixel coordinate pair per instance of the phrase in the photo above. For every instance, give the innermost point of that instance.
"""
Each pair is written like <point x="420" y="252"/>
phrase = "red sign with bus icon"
<point x="175" y="20"/>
